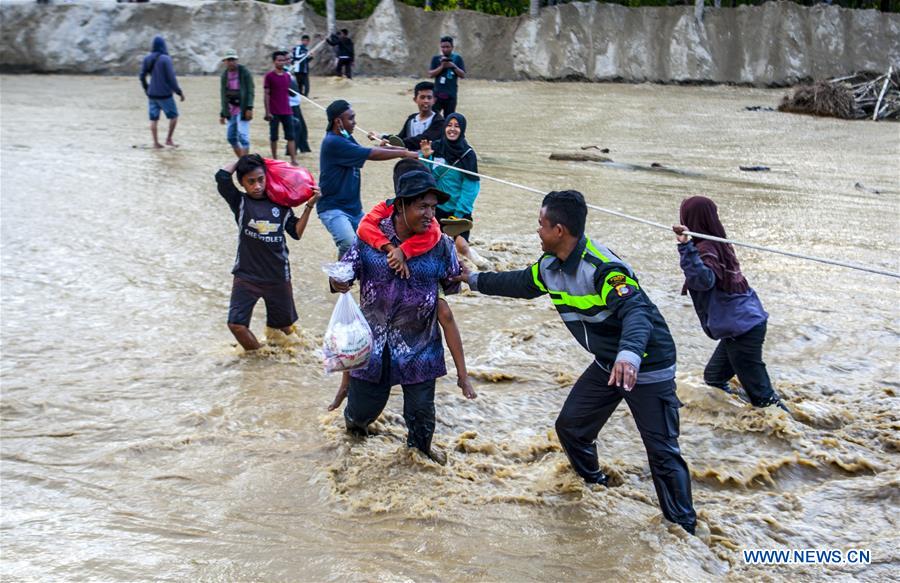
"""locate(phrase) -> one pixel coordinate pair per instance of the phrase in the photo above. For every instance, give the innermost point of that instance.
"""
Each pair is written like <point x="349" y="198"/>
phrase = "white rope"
<point x="650" y="223"/>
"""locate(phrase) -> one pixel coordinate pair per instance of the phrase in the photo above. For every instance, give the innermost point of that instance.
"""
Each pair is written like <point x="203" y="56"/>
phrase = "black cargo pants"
<point x="654" y="407"/>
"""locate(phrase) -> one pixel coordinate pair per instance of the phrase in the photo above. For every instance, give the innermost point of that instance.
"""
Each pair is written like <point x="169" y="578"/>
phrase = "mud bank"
<point x="773" y="44"/>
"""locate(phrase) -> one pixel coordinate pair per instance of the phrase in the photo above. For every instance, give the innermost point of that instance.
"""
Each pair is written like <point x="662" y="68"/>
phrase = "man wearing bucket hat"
<point x="402" y="312"/>
<point x="236" y="95"/>
<point x="340" y="161"/>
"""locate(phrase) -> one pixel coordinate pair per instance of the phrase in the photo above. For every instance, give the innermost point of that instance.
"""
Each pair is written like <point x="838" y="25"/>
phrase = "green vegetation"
<point x="356" y="9"/>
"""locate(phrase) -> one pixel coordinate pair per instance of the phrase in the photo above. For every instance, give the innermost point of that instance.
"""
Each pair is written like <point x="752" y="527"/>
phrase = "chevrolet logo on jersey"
<point x="263" y="227"/>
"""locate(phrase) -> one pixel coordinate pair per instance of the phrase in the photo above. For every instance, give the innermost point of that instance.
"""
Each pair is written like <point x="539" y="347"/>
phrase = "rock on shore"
<point x="778" y="43"/>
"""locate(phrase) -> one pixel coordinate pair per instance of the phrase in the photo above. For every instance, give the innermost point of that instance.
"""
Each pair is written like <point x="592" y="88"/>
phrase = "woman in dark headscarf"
<point x="453" y="150"/>
<point x="728" y="308"/>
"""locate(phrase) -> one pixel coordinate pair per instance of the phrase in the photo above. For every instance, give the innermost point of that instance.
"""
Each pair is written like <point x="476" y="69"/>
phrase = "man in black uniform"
<point x="345" y="54"/>
<point x="601" y="303"/>
<point x="261" y="268"/>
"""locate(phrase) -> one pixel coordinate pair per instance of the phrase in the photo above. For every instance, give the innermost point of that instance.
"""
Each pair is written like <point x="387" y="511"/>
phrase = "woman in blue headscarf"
<point x="453" y="150"/>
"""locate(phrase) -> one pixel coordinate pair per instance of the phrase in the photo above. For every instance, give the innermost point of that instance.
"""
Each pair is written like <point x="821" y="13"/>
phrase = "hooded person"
<point x="163" y="84"/>
<point x="454" y="150"/>
<point x="728" y="308"/>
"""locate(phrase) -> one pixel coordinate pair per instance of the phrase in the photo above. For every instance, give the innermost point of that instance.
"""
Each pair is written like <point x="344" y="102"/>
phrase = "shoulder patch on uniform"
<point x="616" y="280"/>
<point x="624" y="290"/>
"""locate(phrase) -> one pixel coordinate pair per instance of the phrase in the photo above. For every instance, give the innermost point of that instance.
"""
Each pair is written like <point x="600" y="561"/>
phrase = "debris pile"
<point x="857" y="96"/>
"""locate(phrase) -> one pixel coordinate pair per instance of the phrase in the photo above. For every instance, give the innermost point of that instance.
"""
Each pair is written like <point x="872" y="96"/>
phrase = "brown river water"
<point x="139" y="443"/>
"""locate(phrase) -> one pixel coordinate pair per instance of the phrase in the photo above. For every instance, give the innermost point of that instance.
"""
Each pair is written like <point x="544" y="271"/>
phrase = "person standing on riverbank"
<point x="343" y="46"/>
<point x="277" y="85"/>
<point x="728" y="308"/>
<point x="402" y="313"/>
<point x="300" y="58"/>
<point x="163" y="84"/>
<point x="610" y="315"/>
<point x="341" y="160"/>
<point x="236" y="97"/>
<point x="301" y="135"/>
<point x="261" y="268"/>
<point x="446" y="69"/>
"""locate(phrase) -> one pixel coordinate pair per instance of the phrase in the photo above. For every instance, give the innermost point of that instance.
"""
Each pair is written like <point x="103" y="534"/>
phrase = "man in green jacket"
<point x="237" y="103"/>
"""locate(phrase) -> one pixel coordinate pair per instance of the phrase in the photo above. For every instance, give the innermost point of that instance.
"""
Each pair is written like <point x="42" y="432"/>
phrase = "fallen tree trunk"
<point x="579" y="157"/>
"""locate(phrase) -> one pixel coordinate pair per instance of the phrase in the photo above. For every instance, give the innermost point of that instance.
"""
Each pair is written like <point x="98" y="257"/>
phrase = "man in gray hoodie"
<point x="158" y="64"/>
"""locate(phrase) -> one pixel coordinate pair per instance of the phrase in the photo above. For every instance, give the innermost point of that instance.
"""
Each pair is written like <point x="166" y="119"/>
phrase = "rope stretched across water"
<point x="657" y="225"/>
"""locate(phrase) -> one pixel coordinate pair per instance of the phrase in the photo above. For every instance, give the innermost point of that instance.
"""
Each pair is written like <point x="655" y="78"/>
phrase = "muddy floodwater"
<point x="139" y="443"/>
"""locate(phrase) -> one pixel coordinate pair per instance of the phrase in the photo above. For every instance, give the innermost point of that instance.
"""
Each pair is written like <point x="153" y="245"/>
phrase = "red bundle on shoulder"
<point x="288" y="185"/>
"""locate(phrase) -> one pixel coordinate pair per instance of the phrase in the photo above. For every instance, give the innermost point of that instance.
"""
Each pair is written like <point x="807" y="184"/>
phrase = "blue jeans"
<point x="167" y="105"/>
<point x="342" y="227"/>
<point x="238" y="132"/>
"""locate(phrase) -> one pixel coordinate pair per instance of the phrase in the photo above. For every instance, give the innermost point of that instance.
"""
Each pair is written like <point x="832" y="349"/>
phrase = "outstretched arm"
<point x="391" y="154"/>
<point x="525" y="283"/>
<point x="698" y="276"/>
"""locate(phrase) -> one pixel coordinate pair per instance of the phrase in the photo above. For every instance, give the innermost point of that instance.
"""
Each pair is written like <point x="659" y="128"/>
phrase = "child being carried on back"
<point x="397" y="256"/>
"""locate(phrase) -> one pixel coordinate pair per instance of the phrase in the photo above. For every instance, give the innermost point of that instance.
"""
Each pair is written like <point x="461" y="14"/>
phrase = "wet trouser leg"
<point x="718" y="370"/>
<point x="743" y="355"/>
<point x="655" y="410"/>
<point x="418" y="412"/>
<point x="655" y="407"/>
<point x="366" y="400"/>
<point x="586" y="410"/>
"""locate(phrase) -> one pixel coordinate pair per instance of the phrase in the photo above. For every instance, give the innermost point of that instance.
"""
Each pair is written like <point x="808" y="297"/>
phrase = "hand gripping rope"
<point x="622" y="215"/>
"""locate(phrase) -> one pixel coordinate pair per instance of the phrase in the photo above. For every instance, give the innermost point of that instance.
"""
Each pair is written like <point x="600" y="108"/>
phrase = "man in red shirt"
<point x="277" y="84"/>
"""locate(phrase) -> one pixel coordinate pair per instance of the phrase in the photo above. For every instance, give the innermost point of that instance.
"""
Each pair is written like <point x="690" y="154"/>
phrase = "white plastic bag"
<point x="348" y="338"/>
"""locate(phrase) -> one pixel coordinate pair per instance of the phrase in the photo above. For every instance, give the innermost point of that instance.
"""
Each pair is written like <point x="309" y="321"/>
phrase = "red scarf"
<point x="700" y="215"/>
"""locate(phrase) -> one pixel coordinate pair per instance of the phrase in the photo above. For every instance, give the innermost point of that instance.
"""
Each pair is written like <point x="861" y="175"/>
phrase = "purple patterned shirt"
<point x="403" y="312"/>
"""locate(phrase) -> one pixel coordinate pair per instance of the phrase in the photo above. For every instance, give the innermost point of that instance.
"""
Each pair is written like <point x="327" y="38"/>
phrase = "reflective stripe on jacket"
<point x="599" y="299"/>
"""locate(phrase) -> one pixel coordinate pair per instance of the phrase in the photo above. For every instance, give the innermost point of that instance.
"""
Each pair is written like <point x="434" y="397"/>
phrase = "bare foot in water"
<point x="157" y="146"/>
<point x="171" y="144"/>
<point x="339" y="397"/>
<point x="438" y="456"/>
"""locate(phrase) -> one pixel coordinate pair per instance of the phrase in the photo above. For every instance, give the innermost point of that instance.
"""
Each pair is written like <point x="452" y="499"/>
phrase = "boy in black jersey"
<point x="261" y="268"/>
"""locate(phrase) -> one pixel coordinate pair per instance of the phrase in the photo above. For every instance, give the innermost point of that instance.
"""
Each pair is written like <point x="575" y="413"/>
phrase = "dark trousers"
<point x="366" y="401"/>
<point x="444" y="106"/>
<point x="346" y="65"/>
<point x="303" y="83"/>
<point x="742" y="355"/>
<point x="655" y="410"/>
<point x="300" y="132"/>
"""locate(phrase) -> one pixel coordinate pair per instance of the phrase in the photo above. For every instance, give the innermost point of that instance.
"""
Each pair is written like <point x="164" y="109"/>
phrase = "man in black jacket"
<point x="425" y="124"/>
<point x="601" y="303"/>
<point x="345" y="53"/>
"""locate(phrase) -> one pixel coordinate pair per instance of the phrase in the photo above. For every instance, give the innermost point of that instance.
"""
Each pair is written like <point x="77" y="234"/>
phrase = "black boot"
<point x="601" y="479"/>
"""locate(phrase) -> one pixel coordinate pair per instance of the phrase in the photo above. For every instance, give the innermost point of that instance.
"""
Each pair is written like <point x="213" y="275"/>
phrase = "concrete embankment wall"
<point x="778" y="43"/>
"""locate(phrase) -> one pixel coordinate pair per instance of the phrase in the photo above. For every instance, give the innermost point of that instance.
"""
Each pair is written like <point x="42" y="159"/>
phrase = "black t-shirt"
<point x="262" y="253"/>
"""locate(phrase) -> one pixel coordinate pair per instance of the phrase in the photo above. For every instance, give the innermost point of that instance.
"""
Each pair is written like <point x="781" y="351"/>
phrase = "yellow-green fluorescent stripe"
<point x="607" y="287"/>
